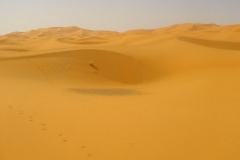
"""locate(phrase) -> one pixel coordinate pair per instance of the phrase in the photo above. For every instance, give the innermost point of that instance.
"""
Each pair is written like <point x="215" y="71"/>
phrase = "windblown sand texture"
<point x="164" y="94"/>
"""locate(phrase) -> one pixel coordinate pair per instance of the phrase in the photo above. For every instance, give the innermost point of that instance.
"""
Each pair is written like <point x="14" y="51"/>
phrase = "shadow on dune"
<point x="87" y="42"/>
<point x="106" y="92"/>
<point x="16" y="50"/>
<point x="110" y="65"/>
<point x="211" y="43"/>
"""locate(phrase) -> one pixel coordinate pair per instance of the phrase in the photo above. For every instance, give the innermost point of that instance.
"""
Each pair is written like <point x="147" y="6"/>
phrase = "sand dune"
<point x="212" y="44"/>
<point x="168" y="93"/>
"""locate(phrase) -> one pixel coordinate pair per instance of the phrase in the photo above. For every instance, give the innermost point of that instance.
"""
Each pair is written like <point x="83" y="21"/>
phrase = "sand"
<point x="170" y="93"/>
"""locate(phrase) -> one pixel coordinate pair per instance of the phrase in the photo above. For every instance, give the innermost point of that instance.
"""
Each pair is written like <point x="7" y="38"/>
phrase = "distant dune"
<point x="169" y="93"/>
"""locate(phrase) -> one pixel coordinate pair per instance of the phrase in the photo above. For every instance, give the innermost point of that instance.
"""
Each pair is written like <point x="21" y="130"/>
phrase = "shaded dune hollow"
<point x="211" y="43"/>
<point x="82" y="41"/>
<point x="88" y="66"/>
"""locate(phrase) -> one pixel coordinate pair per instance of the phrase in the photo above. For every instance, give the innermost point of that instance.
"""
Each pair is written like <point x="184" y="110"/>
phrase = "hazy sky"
<point x="118" y="15"/>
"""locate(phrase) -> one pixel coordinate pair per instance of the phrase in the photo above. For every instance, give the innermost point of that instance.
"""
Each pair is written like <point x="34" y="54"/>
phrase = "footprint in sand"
<point x="43" y="125"/>
<point x="60" y="135"/>
<point x="31" y="118"/>
<point x="89" y="155"/>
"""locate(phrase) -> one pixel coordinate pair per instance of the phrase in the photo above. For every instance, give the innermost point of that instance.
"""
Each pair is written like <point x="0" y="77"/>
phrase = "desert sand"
<point x="171" y="93"/>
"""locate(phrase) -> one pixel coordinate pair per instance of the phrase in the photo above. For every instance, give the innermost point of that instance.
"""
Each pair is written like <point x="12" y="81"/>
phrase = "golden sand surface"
<point x="163" y="94"/>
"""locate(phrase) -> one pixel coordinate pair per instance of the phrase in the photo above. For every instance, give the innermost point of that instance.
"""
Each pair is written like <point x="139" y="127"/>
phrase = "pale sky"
<point x="116" y="15"/>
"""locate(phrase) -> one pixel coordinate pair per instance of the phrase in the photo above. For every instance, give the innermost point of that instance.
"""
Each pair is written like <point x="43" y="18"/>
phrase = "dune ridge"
<point x="78" y="37"/>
